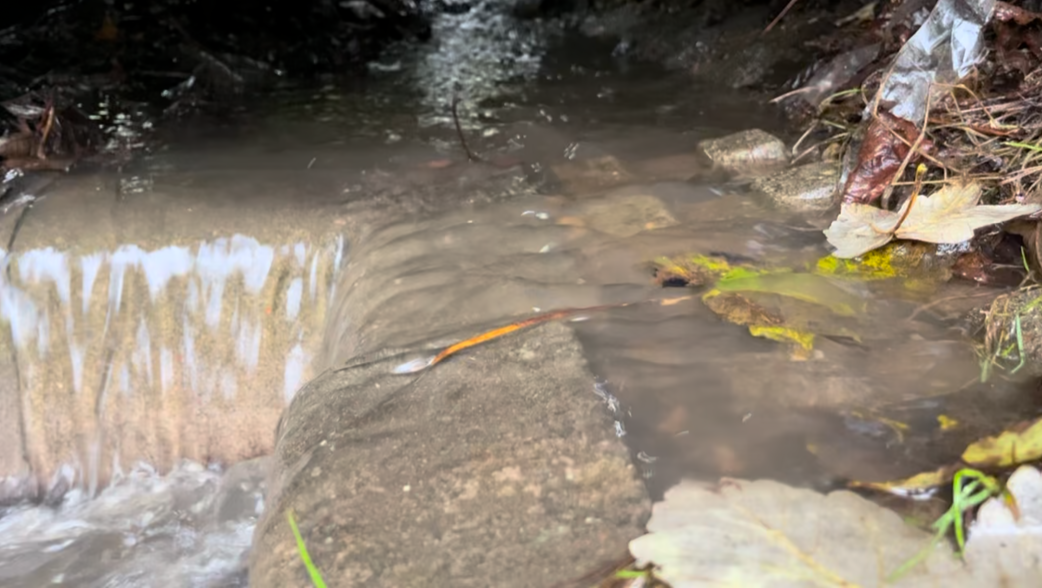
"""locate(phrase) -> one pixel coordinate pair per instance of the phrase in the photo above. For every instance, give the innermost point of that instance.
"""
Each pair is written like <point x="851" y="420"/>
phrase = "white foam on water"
<point x="166" y="370"/>
<point x="313" y="278"/>
<point x="229" y="384"/>
<point x="338" y="258"/>
<point x="189" y="528"/>
<point x="484" y="49"/>
<point x="217" y="262"/>
<point x="39" y="265"/>
<point x="123" y="258"/>
<point x="193" y="364"/>
<point x="76" y="359"/>
<point x="248" y="344"/>
<point x="155" y="535"/>
<point x="296" y="362"/>
<point x="142" y="356"/>
<point x="124" y="379"/>
<point x="43" y="338"/>
<point x="293" y="295"/>
<point x="163" y="265"/>
<point x="20" y="312"/>
<point x="90" y="265"/>
<point x="253" y="260"/>
<point x="192" y="298"/>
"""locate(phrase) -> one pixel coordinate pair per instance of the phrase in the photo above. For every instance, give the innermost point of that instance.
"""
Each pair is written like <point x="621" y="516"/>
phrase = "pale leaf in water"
<point x="768" y="534"/>
<point x="950" y="215"/>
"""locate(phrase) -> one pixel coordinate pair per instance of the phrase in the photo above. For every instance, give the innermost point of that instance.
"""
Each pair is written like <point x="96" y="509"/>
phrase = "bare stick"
<point x="919" y="173"/>
<point x="41" y="153"/>
<point x="912" y="150"/>
<point x="459" y="131"/>
<point x="780" y="16"/>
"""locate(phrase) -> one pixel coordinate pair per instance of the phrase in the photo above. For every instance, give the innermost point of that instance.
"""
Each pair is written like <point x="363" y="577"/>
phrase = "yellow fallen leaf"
<point x="672" y="301"/>
<point x="946" y="422"/>
<point x="1015" y="446"/>
<point x="784" y="334"/>
<point x="918" y="485"/>
<point x="950" y="215"/>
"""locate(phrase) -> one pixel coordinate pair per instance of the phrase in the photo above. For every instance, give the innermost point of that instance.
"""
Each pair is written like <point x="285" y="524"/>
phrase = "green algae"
<point x="812" y="288"/>
<point x="692" y="270"/>
<point x="780" y="303"/>
<point x="915" y="267"/>
<point x="781" y="334"/>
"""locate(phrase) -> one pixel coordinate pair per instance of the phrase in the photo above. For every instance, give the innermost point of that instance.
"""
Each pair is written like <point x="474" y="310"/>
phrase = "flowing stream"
<point x="160" y="320"/>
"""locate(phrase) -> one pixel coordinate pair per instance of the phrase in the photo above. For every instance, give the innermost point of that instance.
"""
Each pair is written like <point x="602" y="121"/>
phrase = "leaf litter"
<point x="950" y="215"/>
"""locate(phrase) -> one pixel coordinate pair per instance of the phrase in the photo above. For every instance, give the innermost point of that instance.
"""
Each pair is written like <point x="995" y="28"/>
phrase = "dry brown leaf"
<point x="950" y="215"/>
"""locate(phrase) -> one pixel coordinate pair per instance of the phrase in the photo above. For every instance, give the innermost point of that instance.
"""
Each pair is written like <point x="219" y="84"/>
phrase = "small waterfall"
<point x="133" y="355"/>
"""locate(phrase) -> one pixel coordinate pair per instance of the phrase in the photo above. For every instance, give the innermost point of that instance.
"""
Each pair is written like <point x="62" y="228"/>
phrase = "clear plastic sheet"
<point x="945" y="49"/>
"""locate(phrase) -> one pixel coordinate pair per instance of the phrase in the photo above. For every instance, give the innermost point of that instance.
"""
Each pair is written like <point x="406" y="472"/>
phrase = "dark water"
<point x="693" y="395"/>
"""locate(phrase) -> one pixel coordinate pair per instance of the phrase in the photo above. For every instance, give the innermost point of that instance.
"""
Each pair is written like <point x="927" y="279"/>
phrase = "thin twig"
<point x="780" y="16"/>
<point x="805" y="134"/>
<point x="913" y="149"/>
<point x="41" y="153"/>
<point x="919" y="173"/>
<point x="459" y="131"/>
<point x="939" y="301"/>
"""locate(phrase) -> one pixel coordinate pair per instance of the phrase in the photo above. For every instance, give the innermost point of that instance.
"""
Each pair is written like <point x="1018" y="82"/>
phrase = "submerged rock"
<point x="748" y="153"/>
<point x="625" y="215"/>
<point x="591" y="175"/>
<point x="807" y="188"/>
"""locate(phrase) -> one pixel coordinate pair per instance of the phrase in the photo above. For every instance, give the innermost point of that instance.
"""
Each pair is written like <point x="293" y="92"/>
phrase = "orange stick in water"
<point x="424" y="363"/>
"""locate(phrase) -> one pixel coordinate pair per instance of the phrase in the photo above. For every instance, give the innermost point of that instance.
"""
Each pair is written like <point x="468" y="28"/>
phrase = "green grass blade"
<point x="302" y="549"/>
<point x="1028" y="146"/>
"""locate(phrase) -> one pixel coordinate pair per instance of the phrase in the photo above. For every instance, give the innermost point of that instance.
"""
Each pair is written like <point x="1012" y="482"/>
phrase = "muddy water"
<point x="161" y="320"/>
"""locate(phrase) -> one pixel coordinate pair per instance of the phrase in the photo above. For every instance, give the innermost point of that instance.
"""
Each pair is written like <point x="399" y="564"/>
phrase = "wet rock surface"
<point x="810" y="188"/>
<point x="746" y="153"/>
<point x="500" y="468"/>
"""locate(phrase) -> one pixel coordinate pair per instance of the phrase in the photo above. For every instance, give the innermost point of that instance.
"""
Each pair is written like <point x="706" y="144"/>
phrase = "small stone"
<point x="591" y="175"/>
<point x="747" y="153"/>
<point x="807" y="188"/>
<point x="627" y="215"/>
